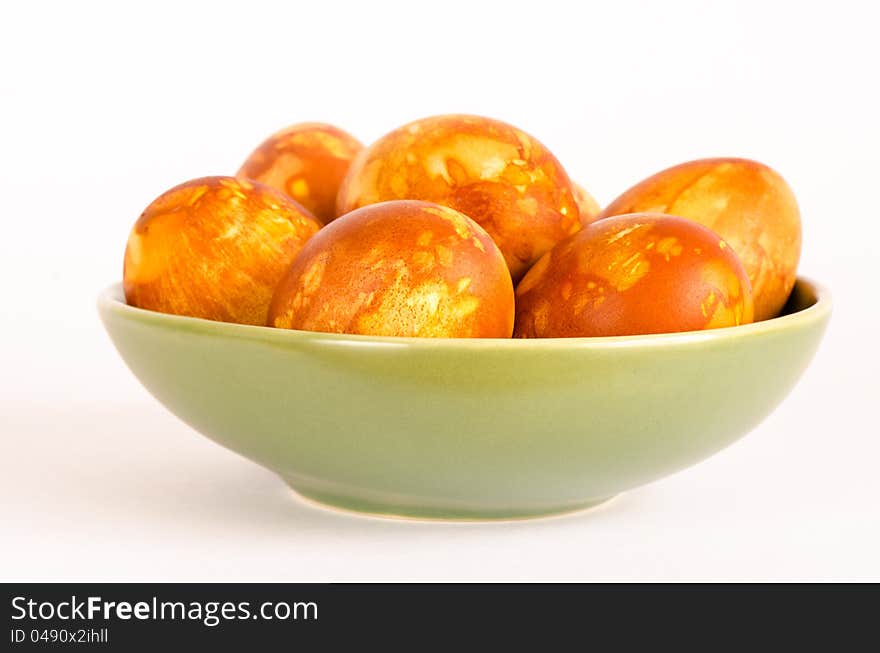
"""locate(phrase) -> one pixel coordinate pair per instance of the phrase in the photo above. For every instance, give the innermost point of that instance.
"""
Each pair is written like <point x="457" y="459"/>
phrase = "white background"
<point x="105" y="105"/>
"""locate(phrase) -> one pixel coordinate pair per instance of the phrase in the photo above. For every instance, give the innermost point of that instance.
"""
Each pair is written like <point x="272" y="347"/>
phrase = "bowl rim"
<point x="112" y="299"/>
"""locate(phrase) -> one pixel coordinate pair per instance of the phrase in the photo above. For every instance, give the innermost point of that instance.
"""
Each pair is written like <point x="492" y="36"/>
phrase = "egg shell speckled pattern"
<point x="746" y="203"/>
<point x="492" y="172"/>
<point x="214" y="248"/>
<point x="306" y="161"/>
<point x="634" y="274"/>
<point x="398" y="268"/>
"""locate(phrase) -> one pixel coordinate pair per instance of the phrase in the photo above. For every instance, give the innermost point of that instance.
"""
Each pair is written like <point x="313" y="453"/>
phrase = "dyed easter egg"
<point x="398" y="268"/>
<point x="214" y="248"/>
<point x="306" y="161"/>
<point x="634" y="274"/>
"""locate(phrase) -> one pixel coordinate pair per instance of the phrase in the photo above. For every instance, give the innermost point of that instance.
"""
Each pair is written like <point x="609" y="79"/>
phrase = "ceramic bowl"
<point x="467" y="428"/>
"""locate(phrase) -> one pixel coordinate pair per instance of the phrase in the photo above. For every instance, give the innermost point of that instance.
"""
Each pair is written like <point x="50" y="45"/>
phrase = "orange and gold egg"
<point x="307" y="161"/>
<point x="588" y="207"/>
<point x="398" y="268"/>
<point x="214" y="248"/>
<point x="634" y="274"/>
<point x="496" y="174"/>
<point x="746" y="203"/>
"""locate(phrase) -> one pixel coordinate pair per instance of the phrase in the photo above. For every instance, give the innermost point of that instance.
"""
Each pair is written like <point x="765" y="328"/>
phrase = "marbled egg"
<point x="215" y="248"/>
<point x="307" y="161"/>
<point x="634" y="274"/>
<point x="398" y="268"/>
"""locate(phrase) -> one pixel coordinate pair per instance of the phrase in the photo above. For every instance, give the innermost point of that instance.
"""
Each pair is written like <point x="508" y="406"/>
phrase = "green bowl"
<point x="467" y="428"/>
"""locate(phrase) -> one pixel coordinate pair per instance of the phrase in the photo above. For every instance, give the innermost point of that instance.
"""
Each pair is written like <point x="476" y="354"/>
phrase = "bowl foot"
<point x="411" y="509"/>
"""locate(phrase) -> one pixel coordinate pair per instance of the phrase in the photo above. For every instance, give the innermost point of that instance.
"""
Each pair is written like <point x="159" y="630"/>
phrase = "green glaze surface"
<point x="467" y="429"/>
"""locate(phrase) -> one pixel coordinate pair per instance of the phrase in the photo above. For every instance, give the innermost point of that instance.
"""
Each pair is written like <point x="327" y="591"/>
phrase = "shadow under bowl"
<point x="467" y="428"/>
